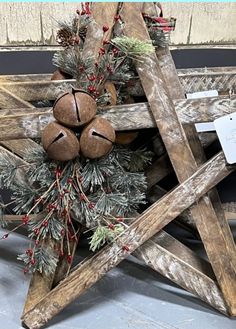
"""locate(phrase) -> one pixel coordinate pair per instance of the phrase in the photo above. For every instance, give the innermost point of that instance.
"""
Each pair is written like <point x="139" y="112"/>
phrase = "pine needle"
<point x="132" y="47"/>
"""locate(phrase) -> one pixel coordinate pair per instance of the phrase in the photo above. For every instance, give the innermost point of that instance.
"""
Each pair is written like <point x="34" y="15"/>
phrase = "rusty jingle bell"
<point x="97" y="138"/>
<point x="59" y="142"/>
<point x="74" y="109"/>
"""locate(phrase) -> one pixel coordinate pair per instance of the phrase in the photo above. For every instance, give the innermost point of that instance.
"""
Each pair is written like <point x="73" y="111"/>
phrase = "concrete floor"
<point x="128" y="297"/>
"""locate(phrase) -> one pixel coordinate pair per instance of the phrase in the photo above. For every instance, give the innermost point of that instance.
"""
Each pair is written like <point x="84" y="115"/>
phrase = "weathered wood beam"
<point x="29" y="122"/>
<point x="10" y="101"/>
<point x="214" y="231"/>
<point x="192" y="80"/>
<point x="157" y="216"/>
<point x="168" y="257"/>
<point x="38" y="90"/>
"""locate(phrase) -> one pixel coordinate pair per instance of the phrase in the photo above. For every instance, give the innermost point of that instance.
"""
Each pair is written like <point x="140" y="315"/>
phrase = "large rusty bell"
<point x="74" y="109"/>
<point x="59" y="142"/>
<point x="97" y="138"/>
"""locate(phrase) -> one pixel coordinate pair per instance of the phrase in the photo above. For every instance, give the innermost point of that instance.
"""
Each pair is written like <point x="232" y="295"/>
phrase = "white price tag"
<point x="226" y="131"/>
<point x="203" y="94"/>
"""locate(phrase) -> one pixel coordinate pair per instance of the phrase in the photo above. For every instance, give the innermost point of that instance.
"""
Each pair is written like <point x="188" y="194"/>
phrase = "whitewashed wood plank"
<point x="197" y="23"/>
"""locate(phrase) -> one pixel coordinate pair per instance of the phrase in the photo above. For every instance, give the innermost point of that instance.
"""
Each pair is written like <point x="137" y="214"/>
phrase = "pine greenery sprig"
<point x="132" y="47"/>
<point x="103" y="235"/>
<point x="42" y="259"/>
<point x="96" y="193"/>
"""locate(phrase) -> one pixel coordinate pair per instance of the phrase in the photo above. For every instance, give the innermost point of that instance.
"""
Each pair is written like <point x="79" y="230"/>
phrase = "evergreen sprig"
<point x="103" y="235"/>
<point x="132" y="47"/>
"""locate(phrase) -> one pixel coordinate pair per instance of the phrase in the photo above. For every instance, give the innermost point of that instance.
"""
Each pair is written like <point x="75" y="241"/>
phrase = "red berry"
<point x="5" y="236"/>
<point x="111" y="226"/>
<point x="82" y="197"/>
<point x="109" y="69"/>
<point x="91" y="205"/>
<point x="77" y="40"/>
<point x="115" y="51"/>
<point x="33" y="261"/>
<point x="58" y="172"/>
<point x="91" y="89"/>
<point x="87" y="8"/>
<point x="81" y="69"/>
<point x="69" y="259"/>
<point x="26" y="270"/>
<point x="69" y="180"/>
<point x="45" y="223"/>
<point x="92" y="78"/>
<point x="83" y="12"/>
<point x="105" y="42"/>
<point x="64" y="212"/>
<point x="25" y="219"/>
<point x="36" y="231"/>
<point x="36" y="242"/>
<point x="102" y="51"/>
<point x="29" y="252"/>
<point x="117" y="17"/>
<point x="125" y="248"/>
<point x="105" y="28"/>
<point x="100" y="78"/>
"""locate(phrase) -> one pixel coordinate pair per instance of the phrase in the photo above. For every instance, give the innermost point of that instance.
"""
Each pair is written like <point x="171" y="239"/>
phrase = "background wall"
<point x="197" y="23"/>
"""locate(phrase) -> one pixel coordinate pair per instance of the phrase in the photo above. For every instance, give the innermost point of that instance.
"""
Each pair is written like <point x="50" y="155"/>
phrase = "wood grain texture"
<point x="28" y="123"/>
<point x="199" y="79"/>
<point x="166" y="256"/>
<point x="158" y="215"/>
<point x="215" y="232"/>
<point x="38" y="90"/>
<point x="40" y="285"/>
<point x="36" y="23"/>
<point x="9" y="101"/>
<point x="50" y="90"/>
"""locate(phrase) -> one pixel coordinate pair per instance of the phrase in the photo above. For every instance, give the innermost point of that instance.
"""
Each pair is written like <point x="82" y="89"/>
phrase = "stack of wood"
<point x="194" y="199"/>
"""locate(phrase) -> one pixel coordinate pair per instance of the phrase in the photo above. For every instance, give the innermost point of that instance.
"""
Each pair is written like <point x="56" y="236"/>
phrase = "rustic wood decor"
<point x="215" y="281"/>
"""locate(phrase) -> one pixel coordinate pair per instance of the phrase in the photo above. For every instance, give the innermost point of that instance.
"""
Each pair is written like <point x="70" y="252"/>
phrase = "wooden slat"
<point x="192" y="80"/>
<point x="33" y="90"/>
<point x="168" y="257"/>
<point x="215" y="232"/>
<point x="157" y="216"/>
<point x="38" y="90"/>
<point x="29" y="123"/>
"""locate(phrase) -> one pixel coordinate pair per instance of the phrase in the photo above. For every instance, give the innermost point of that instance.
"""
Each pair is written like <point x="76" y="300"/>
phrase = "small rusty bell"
<point x="74" y="109"/>
<point x="97" y="138"/>
<point x="59" y="142"/>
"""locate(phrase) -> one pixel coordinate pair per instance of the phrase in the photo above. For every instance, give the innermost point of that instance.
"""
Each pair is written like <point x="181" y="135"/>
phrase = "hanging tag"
<point x="226" y="131"/>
